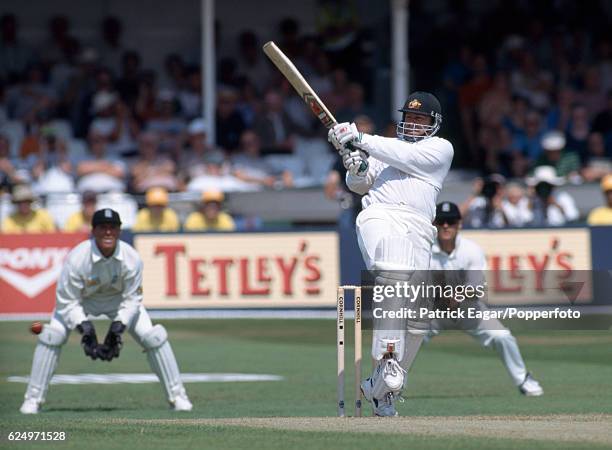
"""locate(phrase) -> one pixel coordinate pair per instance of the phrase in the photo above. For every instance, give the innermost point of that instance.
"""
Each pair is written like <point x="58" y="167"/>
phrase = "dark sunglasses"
<point x="450" y="222"/>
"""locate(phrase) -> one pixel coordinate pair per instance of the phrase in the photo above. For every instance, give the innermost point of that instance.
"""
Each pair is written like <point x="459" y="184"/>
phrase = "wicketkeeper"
<point x="102" y="276"/>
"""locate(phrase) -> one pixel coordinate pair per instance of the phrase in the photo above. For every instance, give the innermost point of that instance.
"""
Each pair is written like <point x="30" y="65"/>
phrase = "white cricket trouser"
<point x="395" y="223"/>
<point x="488" y="333"/>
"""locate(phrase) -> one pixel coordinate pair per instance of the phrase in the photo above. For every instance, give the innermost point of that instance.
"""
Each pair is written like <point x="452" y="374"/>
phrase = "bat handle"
<point x="363" y="166"/>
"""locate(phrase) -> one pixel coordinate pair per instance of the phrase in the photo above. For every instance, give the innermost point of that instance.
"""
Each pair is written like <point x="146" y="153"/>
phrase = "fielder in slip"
<point x="454" y="253"/>
<point x="402" y="178"/>
<point x="102" y="276"/>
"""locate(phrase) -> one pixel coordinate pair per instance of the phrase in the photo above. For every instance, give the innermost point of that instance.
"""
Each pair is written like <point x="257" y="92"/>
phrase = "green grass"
<point x="452" y="376"/>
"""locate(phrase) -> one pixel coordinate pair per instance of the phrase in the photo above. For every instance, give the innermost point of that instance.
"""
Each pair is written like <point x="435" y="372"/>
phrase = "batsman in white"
<point x="402" y="178"/>
<point x="456" y="253"/>
<point x="102" y="276"/>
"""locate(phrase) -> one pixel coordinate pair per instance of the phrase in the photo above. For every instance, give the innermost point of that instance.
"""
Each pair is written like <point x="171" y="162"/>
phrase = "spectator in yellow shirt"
<point x="26" y="219"/>
<point x="209" y="216"/>
<point x="157" y="216"/>
<point x="81" y="220"/>
<point x="603" y="214"/>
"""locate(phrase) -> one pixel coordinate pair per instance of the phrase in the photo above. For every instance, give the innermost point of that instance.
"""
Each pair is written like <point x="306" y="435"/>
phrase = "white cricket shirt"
<point x="91" y="282"/>
<point x="403" y="173"/>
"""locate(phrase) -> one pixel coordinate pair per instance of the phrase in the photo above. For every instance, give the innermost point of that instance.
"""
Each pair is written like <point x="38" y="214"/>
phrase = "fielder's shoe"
<point x="30" y="406"/>
<point x="530" y="387"/>
<point x="182" y="403"/>
<point x="384" y="407"/>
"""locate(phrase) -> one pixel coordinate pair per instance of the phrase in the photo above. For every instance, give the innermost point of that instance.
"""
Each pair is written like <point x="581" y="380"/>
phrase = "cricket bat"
<point x="299" y="83"/>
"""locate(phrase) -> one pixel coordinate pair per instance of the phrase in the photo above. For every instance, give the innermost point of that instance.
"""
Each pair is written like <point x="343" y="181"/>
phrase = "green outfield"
<point x="459" y="395"/>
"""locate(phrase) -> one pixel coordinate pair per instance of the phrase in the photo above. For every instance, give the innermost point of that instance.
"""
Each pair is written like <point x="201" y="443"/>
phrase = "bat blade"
<point x="299" y="83"/>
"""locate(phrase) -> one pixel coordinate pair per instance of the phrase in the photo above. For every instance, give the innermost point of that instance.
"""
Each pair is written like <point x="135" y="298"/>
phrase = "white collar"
<point x="435" y="248"/>
<point x="96" y="255"/>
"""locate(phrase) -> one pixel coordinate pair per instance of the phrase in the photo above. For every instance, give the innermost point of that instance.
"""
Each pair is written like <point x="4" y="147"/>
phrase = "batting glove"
<point x="342" y="134"/>
<point x="355" y="162"/>
<point x="112" y="343"/>
<point x="89" y="341"/>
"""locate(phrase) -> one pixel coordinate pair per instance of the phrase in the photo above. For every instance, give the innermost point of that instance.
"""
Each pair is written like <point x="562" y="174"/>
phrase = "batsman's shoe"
<point x="30" y="406"/>
<point x="182" y="403"/>
<point x="384" y="407"/>
<point x="530" y="387"/>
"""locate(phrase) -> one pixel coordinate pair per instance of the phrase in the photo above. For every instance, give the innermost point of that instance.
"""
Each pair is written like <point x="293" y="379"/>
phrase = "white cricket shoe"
<point x="530" y="387"/>
<point x="182" y="403"/>
<point x="30" y="406"/>
<point x="384" y="407"/>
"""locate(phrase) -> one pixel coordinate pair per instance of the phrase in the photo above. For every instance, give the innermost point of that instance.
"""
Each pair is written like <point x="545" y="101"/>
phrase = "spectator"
<point x="33" y="99"/>
<point x="168" y="127"/>
<point x="599" y="160"/>
<point x="354" y="104"/>
<point x="559" y="115"/>
<point x="484" y="208"/>
<point x="531" y="82"/>
<point x="145" y="103"/>
<point x="209" y="216"/>
<point x="58" y="42"/>
<point x="250" y="167"/>
<point x="157" y="216"/>
<point x="153" y="169"/>
<point x="529" y="142"/>
<point x="52" y="169"/>
<point x="251" y="62"/>
<point x="80" y="221"/>
<point x="128" y="84"/>
<point x="603" y="214"/>
<point x="557" y="155"/>
<point x="173" y="77"/>
<point x="230" y="123"/>
<point x="192" y="162"/>
<point x="603" y="121"/>
<point x="274" y="126"/>
<point x="100" y="172"/>
<point x="515" y="206"/>
<point x="578" y="130"/>
<point x="190" y="96"/>
<point x="592" y="96"/>
<point x="111" y="48"/>
<point x="470" y="95"/>
<point x="549" y="206"/>
<point x="9" y="174"/>
<point x="14" y="57"/>
<point x="26" y="219"/>
<point x="115" y="121"/>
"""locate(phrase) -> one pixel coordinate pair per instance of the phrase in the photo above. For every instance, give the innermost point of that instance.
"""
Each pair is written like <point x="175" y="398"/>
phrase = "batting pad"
<point x="163" y="363"/>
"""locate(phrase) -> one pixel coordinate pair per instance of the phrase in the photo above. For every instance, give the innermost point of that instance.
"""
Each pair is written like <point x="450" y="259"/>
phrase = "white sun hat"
<point x="547" y="174"/>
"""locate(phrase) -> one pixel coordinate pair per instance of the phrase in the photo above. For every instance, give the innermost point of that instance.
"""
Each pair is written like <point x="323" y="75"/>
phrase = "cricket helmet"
<point x="422" y="103"/>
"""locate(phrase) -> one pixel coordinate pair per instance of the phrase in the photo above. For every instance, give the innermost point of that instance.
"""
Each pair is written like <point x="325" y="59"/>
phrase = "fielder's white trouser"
<point x="395" y="239"/>
<point x="489" y="333"/>
<point x="152" y="339"/>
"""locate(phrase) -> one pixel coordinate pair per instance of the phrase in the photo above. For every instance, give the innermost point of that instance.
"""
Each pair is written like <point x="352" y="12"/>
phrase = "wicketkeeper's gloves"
<point x="112" y="343"/>
<point x="89" y="340"/>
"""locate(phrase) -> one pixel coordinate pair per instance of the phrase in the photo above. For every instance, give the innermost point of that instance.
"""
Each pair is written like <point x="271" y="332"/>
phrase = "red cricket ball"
<point x="36" y="327"/>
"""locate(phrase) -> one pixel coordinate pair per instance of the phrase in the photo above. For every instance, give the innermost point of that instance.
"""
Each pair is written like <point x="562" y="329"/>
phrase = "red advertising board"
<point x="240" y="270"/>
<point x="29" y="267"/>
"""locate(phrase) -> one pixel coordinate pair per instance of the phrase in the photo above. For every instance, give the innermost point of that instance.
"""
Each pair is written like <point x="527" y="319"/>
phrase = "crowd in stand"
<point x="156" y="216"/>
<point x="532" y="105"/>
